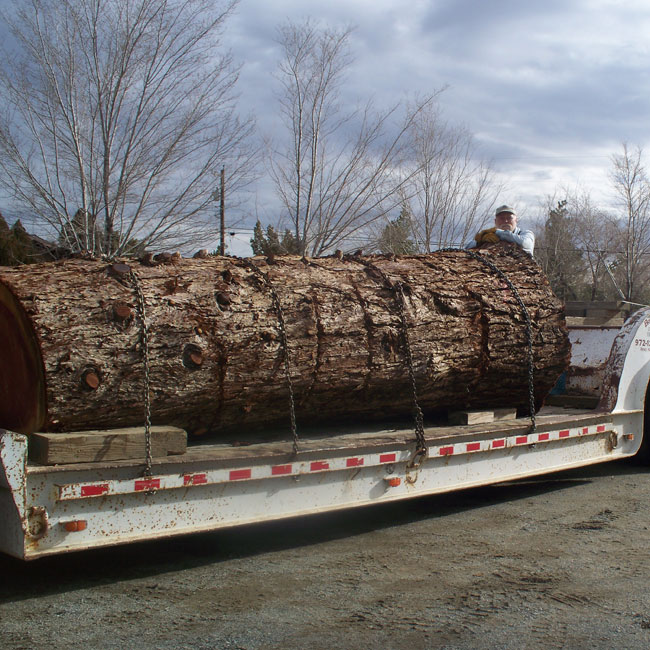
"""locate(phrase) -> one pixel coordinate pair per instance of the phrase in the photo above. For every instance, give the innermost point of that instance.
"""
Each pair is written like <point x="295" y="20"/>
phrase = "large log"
<point x="72" y="357"/>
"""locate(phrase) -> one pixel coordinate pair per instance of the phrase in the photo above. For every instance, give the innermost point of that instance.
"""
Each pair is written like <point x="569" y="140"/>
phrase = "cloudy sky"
<point x="550" y="88"/>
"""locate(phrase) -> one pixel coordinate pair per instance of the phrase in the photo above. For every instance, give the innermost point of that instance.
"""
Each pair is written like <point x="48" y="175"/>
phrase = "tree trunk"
<point x="73" y="357"/>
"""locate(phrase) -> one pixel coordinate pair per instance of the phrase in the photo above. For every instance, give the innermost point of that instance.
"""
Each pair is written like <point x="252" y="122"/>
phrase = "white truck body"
<point x="53" y="509"/>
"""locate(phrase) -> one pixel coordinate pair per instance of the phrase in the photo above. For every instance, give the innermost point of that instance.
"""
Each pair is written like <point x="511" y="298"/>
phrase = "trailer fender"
<point x="627" y="373"/>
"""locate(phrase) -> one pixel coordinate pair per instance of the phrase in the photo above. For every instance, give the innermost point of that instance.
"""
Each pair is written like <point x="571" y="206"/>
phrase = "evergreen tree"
<point x="16" y="246"/>
<point x="395" y="238"/>
<point x="6" y="257"/>
<point x="22" y="250"/>
<point x="270" y="243"/>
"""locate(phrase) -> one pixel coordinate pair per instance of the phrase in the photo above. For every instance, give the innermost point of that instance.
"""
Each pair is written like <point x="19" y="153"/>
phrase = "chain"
<point x="421" y="449"/>
<point x="285" y="347"/>
<point x="529" y="328"/>
<point x="398" y="291"/>
<point x="144" y="340"/>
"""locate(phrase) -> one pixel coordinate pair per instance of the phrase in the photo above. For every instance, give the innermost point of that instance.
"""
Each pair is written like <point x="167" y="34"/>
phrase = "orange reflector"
<point x="629" y="436"/>
<point x="75" y="526"/>
<point x="394" y="481"/>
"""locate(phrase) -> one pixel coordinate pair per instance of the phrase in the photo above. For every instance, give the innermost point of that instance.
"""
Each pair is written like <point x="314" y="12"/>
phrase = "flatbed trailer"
<point x="47" y="510"/>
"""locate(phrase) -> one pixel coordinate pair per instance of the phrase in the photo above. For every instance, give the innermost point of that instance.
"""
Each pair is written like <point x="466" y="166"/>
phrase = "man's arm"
<point x="526" y="239"/>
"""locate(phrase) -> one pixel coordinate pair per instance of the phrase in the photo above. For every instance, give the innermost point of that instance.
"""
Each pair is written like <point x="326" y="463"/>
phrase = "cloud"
<point x="550" y="88"/>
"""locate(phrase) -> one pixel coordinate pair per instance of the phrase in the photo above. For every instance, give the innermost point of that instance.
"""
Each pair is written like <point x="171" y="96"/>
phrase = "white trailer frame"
<point x="53" y="509"/>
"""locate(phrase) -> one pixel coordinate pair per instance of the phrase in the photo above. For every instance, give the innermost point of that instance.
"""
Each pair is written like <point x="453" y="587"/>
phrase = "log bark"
<point x="73" y="357"/>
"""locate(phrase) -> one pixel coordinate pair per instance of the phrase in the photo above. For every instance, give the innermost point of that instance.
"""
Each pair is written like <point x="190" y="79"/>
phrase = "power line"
<point x="549" y="157"/>
<point x="597" y="251"/>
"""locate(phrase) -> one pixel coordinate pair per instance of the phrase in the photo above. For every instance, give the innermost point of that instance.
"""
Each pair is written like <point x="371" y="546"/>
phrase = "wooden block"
<point x="582" y="307"/>
<point x="573" y="401"/>
<point x="575" y="322"/>
<point x="471" y="417"/>
<point x="112" y="444"/>
<point x="505" y="414"/>
<point x="481" y="417"/>
<point x="605" y="314"/>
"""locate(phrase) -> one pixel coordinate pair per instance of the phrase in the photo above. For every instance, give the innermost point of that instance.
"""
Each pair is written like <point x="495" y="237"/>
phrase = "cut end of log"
<point x="22" y="377"/>
<point x="119" y="270"/>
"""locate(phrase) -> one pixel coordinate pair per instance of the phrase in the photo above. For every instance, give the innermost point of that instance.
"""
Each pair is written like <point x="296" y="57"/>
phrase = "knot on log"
<point x="122" y="312"/>
<point x="90" y="379"/>
<point x="192" y="356"/>
<point x="147" y="260"/>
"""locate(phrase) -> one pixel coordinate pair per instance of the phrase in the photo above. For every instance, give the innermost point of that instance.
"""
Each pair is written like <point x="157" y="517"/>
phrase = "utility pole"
<point x="222" y="212"/>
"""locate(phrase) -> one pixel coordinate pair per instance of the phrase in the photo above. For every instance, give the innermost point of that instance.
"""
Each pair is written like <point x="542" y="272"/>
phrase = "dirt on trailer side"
<point x="556" y="562"/>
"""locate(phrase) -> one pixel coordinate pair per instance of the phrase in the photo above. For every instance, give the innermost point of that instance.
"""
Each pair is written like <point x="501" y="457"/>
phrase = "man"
<point x="505" y="229"/>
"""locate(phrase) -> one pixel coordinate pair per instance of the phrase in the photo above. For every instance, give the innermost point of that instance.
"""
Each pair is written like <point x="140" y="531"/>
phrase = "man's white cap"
<point x="505" y="208"/>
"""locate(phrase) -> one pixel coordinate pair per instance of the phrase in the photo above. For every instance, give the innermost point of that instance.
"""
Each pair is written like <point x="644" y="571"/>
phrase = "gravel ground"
<point x="560" y="562"/>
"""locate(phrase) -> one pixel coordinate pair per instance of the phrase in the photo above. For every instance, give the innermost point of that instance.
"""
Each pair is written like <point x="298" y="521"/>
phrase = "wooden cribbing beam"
<point x="94" y="446"/>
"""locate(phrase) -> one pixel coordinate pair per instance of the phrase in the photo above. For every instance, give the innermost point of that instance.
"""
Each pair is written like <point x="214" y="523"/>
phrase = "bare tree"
<point x="632" y="188"/>
<point x="120" y="115"/>
<point x="557" y="253"/>
<point x="449" y="190"/>
<point x="598" y="235"/>
<point x="340" y="170"/>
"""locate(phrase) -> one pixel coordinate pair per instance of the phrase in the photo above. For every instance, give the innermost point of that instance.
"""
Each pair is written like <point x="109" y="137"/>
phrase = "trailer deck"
<point x="316" y="442"/>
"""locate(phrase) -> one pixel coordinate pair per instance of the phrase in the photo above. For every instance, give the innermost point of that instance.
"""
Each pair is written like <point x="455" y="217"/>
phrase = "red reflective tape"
<point x="94" y="490"/>
<point x="498" y="443"/>
<point x="542" y="436"/>
<point x="521" y="440"/>
<point x="147" y="484"/>
<point x="600" y="428"/>
<point x="239" y="474"/>
<point x="354" y="462"/>
<point x="473" y="446"/>
<point x="319" y="466"/>
<point x="387" y="458"/>
<point x="585" y="431"/>
<point x="195" y="479"/>
<point x="279" y="470"/>
<point x="564" y="434"/>
<point x="446" y="451"/>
